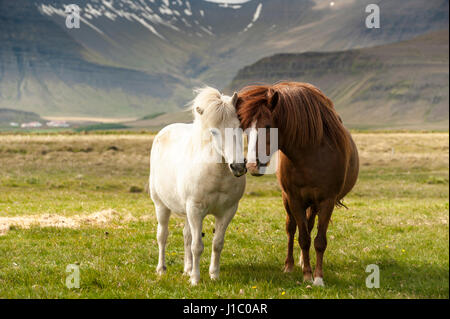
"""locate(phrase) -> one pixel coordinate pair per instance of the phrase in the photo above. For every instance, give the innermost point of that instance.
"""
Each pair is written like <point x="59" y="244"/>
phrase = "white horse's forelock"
<point x="215" y="108"/>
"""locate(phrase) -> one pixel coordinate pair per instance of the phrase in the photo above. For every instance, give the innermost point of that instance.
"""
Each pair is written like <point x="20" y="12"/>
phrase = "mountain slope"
<point x="43" y="70"/>
<point x="396" y="85"/>
<point x="8" y="116"/>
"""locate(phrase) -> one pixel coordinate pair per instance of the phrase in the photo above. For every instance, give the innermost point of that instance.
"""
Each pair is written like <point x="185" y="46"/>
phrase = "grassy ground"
<point x="94" y="185"/>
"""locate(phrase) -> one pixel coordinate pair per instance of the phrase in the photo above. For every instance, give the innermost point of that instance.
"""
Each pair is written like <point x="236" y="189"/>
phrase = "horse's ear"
<point x="273" y="100"/>
<point x="234" y="99"/>
<point x="199" y="110"/>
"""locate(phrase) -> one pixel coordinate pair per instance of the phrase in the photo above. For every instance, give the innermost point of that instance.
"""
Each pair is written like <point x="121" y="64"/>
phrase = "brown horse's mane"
<point x="302" y="113"/>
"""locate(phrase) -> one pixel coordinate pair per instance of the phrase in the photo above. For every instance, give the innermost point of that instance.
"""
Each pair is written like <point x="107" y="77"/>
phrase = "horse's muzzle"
<point x="254" y="169"/>
<point x="238" y="169"/>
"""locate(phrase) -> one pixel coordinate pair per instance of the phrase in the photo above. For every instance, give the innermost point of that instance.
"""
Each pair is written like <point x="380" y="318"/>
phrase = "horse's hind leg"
<point x="187" y="248"/>
<point x="320" y="242"/>
<point x="162" y="215"/>
<point x="221" y="225"/>
<point x="291" y="227"/>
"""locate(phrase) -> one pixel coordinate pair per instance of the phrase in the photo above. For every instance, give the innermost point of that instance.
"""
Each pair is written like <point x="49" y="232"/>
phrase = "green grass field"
<point x="81" y="199"/>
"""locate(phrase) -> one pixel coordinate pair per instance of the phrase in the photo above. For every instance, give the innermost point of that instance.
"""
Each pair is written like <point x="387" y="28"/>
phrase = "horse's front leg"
<point x="298" y="211"/>
<point x="221" y="225"/>
<point x="311" y="213"/>
<point x="163" y="215"/>
<point x="291" y="227"/>
<point x="195" y="217"/>
<point x="187" y="248"/>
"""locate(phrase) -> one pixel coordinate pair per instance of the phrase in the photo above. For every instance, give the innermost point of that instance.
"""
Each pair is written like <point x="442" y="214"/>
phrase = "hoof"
<point x="318" y="281"/>
<point x="194" y="281"/>
<point x="161" y="270"/>
<point x="187" y="272"/>
<point x="288" y="268"/>
<point x="214" y="276"/>
<point x="307" y="278"/>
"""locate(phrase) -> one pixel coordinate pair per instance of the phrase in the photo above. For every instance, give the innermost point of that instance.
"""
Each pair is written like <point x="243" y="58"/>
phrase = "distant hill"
<point x="158" y="122"/>
<point x="404" y="84"/>
<point x="8" y="115"/>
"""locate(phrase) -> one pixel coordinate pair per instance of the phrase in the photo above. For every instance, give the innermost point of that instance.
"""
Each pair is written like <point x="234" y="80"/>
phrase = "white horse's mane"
<point x="215" y="108"/>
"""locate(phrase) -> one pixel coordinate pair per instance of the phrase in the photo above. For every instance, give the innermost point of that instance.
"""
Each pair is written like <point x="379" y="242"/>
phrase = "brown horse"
<point x="318" y="160"/>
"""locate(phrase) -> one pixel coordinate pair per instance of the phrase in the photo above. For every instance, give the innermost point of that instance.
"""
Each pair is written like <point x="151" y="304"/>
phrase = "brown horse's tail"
<point x="340" y="203"/>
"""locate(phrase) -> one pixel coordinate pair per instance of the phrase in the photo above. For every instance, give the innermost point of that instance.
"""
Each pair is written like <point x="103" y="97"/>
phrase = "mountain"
<point x="7" y="116"/>
<point x="131" y="58"/>
<point x="405" y="84"/>
<point x="42" y="69"/>
<point x="210" y="40"/>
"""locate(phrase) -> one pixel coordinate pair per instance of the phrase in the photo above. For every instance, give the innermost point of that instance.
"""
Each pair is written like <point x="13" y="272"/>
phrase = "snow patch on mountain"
<point x="255" y="17"/>
<point x="155" y="16"/>
<point x="151" y="14"/>
<point x="229" y="1"/>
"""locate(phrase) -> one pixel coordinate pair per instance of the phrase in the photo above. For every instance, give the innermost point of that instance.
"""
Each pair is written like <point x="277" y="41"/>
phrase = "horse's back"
<point x="171" y="133"/>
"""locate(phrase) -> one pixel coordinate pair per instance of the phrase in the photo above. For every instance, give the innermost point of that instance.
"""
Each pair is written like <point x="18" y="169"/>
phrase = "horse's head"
<point x="300" y="112"/>
<point x="220" y="125"/>
<point x="255" y="107"/>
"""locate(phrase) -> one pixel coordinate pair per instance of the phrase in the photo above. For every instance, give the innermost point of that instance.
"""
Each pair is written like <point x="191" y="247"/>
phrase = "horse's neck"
<point x="291" y="152"/>
<point x="203" y="150"/>
<point x="201" y="141"/>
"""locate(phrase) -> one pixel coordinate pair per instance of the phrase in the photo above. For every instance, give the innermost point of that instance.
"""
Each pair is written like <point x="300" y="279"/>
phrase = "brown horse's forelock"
<point x="252" y="105"/>
<point x="303" y="114"/>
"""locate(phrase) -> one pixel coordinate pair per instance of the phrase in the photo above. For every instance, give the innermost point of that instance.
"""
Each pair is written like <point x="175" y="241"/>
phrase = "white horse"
<point x="187" y="179"/>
